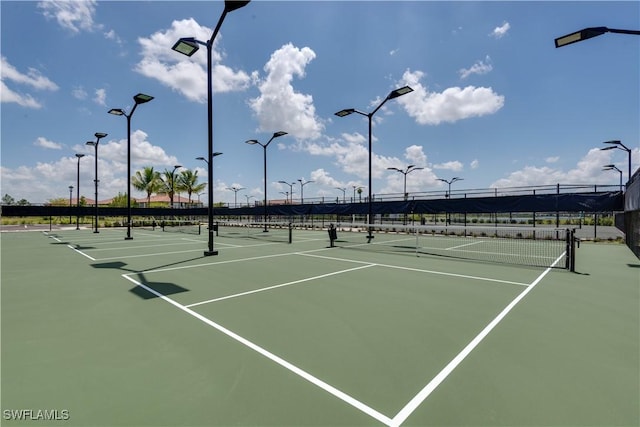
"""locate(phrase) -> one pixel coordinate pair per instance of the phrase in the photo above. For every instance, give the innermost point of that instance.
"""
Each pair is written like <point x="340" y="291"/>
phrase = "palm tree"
<point x="188" y="181"/>
<point x="148" y="180"/>
<point x="168" y="184"/>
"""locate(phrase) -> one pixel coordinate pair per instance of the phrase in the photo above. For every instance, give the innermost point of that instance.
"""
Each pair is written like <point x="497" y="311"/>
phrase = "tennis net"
<point x="531" y="246"/>
<point x="187" y="226"/>
<point x="265" y="231"/>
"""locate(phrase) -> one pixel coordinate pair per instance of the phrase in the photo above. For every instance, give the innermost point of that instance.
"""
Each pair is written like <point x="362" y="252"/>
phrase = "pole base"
<point x="210" y="253"/>
<point x="96" y="231"/>
<point x="128" y="238"/>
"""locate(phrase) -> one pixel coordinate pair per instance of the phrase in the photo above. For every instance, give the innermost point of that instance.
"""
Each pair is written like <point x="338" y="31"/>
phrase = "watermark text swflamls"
<point x="36" y="414"/>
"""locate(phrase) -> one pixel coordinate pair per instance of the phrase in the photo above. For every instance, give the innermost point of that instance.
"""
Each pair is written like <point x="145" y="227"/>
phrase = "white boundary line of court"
<point x="413" y="404"/>
<point x="287" y="365"/>
<point x="281" y="285"/>
<point x="423" y="394"/>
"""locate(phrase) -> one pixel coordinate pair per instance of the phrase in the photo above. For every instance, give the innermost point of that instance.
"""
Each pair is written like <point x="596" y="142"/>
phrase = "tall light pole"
<point x="302" y="184"/>
<point x="393" y="94"/>
<point x="79" y="156"/>
<point x="189" y="46"/>
<point x="290" y="193"/>
<point x="98" y="135"/>
<point x="405" y="172"/>
<point x="248" y="198"/>
<point x="448" y="195"/>
<point x="449" y="182"/>
<point x="344" y="192"/>
<point x="620" y="146"/>
<point x="235" y="194"/>
<point x="588" y="33"/>
<point x="264" y="146"/>
<point x="211" y="249"/>
<point x="140" y="98"/>
<point x="70" y="201"/>
<point x="613" y="168"/>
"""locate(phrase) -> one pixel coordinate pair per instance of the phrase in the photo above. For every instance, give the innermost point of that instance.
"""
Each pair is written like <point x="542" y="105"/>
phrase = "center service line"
<point x="444" y="373"/>
<point x="291" y="367"/>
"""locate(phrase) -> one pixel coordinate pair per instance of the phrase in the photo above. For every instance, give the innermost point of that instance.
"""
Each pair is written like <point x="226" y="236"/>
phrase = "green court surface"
<point x="102" y="331"/>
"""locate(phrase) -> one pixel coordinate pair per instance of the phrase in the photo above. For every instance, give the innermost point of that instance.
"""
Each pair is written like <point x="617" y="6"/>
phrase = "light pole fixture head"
<point x="578" y="36"/>
<point x="201" y="158"/>
<point x="117" y="111"/>
<point x="92" y="143"/>
<point x="186" y="46"/>
<point x="345" y="112"/>
<point x="79" y="156"/>
<point x="100" y="135"/>
<point x="609" y="166"/>
<point x="141" y="98"/>
<point x="252" y="141"/>
<point x="216" y="154"/>
<point x="399" y="92"/>
<point x="231" y="5"/>
<point x="279" y="133"/>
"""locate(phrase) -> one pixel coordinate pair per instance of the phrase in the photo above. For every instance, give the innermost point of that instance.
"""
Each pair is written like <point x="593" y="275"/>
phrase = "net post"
<point x="572" y="262"/>
<point x="290" y="232"/>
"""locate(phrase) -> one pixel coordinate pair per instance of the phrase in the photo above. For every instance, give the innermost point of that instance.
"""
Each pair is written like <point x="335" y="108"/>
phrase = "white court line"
<point x="148" y="255"/>
<point x="462" y="246"/>
<point x="145" y="246"/>
<point x="287" y="365"/>
<point x="420" y="270"/>
<point x="279" y="286"/>
<point x="81" y="253"/>
<point x="444" y="373"/>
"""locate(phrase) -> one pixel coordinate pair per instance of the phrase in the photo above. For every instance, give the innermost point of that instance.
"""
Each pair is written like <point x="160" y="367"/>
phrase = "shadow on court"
<point x="162" y="288"/>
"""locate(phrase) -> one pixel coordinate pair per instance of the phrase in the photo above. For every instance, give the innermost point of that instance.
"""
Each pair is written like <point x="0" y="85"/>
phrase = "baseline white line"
<point x="420" y="270"/>
<point x="81" y="253"/>
<point x="444" y="373"/>
<point x="287" y="365"/>
<point x="279" y="286"/>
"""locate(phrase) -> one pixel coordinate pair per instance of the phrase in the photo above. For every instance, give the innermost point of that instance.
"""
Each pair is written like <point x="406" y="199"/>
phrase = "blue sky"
<point x="494" y="101"/>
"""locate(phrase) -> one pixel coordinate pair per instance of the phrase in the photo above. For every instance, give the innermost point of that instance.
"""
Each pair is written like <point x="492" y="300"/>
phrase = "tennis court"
<point x="98" y="330"/>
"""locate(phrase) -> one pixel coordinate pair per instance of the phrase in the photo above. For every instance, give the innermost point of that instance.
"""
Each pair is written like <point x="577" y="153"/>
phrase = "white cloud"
<point x="474" y="164"/>
<point x="450" y="105"/>
<point x="187" y="75"/>
<point x="49" y="180"/>
<point x="479" y="67"/>
<point x="552" y="159"/>
<point x="32" y="78"/>
<point x="500" y="31"/>
<point x="101" y="97"/>
<point x="452" y="166"/>
<point x="279" y="106"/>
<point x="75" y="16"/>
<point x="587" y="171"/>
<point x="79" y="93"/>
<point x="23" y="100"/>
<point x="393" y="52"/>
<point x="43" y="142"/>
<point x="111" y="35"/>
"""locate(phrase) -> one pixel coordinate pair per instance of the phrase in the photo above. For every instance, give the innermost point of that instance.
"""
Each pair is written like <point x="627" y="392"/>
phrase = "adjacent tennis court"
<point x="401" y="329"/>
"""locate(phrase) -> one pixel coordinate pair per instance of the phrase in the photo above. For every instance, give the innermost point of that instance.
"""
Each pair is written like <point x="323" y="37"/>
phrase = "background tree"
<point x="120" y="201"/>
<point x="59" y="201"/>
<point x="188" y="182"/>
<point x="168" y="184"/>
<point x="148" y="181"/>
<point x="7" y="200"/>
